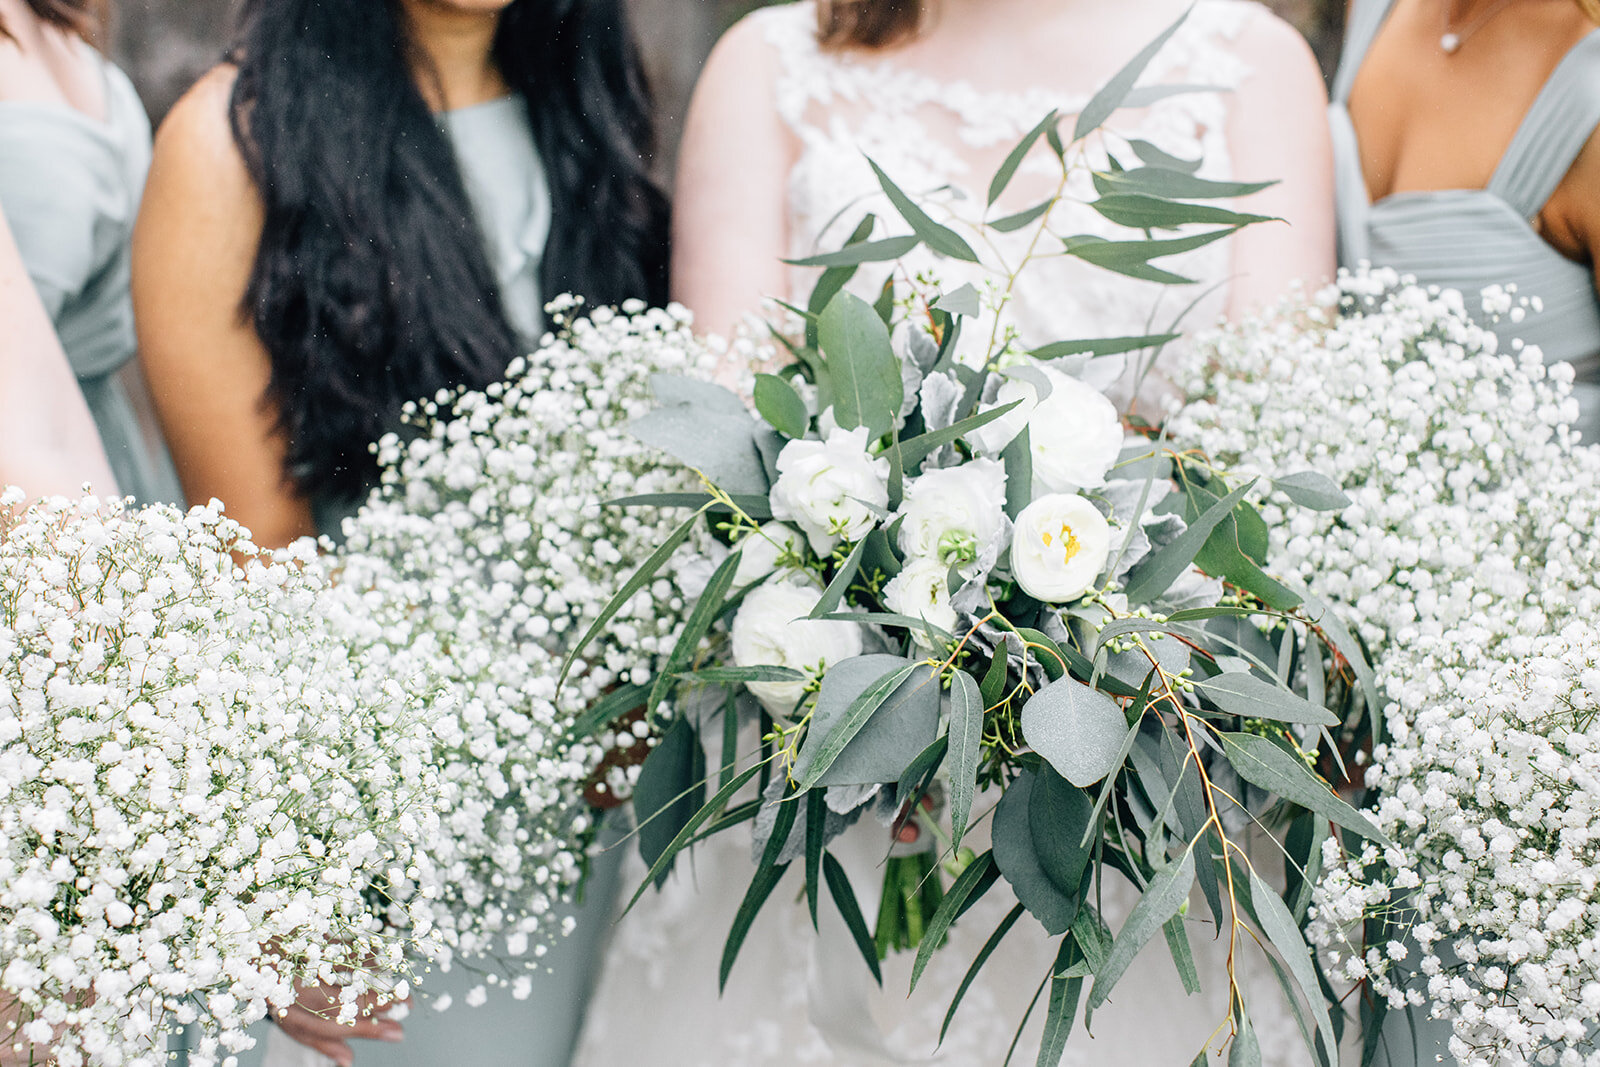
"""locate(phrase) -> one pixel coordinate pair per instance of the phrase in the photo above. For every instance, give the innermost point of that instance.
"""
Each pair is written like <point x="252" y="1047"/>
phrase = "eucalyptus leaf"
<point x="1106" y="102"/>
<point x="722" y="447"/>
<point x="865" y="372"/>
<point x="942" y="239"/>
<point x="973" y="880"/>
<point x="1152" y="577"/>
<point x="1078" y="730"/>
<point x="675" y="390"/>
<point x="671" y="788"/>
<point x="962" y="301"/>
<point x="1312" y="490"/>
<point x="781" y="406"/>
<point x="1018" y="859"/>
<point x="1174" y="184"/>
<point x="706" y="609"/>
<point x="1263" y="764"/>
<point x="701" y="817"/>
<point x="1141" y="212"/>
<point x="890" y="248"/>
<point x="833" y="595"/>
<point x="1284" y="933"/>
<point x="609" y="708"/>
<point x="966" y="736"/>
<point x="1059" y="816"/>
<point x="1161" y="900"/>
<point x="916" y="449"/>
<point x="873" y="715"/>
<point x="1013" y="160"/>
<point x="1241" y="693"/>
<point x="1155" y="157"/>
<point x="845" y="898"/>
<point x="1182" y="954"/>
<point x="761" y="886"/>
<point x="1246" y="1048"/>
<point x="1103" y="346"/>
<point x="1012" y="223"/>
<point x="989" y="946"/>
<point x="1062" y="1004"/>
<point x="740" y="675"/>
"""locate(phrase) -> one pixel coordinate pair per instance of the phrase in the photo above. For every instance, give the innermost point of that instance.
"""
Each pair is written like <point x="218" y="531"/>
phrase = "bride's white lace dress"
<point x="795" y="998"/>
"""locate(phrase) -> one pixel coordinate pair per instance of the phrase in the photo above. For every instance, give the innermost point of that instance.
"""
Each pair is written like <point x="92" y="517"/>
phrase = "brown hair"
<point x="82" y="17"/>
<point x="868" y="23"/>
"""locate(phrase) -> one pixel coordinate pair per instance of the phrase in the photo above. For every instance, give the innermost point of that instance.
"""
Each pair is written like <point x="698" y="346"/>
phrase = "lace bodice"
<point x="942" y="141"/>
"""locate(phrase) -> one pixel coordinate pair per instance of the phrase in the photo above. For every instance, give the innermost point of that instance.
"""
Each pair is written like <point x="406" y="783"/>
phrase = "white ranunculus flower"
<point x="1074" y="437"/>
<point x="771" y="630"/>
<point x="1060" y="546"/>
<point x="763" y="548"/>
<point x="824" y="487"/>
<point x="922" y="591"/>
<point x="956" y="516"/>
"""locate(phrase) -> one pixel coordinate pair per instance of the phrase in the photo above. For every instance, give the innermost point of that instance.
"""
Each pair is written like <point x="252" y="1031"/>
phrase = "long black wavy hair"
<point x="371" y="285"/>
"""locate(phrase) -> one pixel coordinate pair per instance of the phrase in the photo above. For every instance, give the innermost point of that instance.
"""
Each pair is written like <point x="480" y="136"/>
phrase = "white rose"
<point x="921" y="591"/>
<point x="1059" y="548"/>
<point x="762" y="548"/>
<point x="1074" y="436"/>
<point x="956" y="516"/>
<point x="771" y="630"/>
<point x="822" y="486"/>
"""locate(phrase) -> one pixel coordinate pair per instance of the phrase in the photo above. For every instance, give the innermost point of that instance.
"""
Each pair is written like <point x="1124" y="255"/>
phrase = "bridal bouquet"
<point x="938" y="578"/>
<point x="199" y="790"/>
<point x="473" y="569"/>
<point x="1467" y="561"/>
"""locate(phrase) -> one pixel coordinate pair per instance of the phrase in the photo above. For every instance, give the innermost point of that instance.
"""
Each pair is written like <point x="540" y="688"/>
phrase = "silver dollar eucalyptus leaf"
<point x="1079" y="731"/>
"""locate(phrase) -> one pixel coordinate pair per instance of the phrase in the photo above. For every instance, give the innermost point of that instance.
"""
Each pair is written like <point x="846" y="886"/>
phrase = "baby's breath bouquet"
<point x="200" y="790"/>
<point x="944" y="575"/>
<point x="474" y="568"/>
<point x="1467" y="562"/>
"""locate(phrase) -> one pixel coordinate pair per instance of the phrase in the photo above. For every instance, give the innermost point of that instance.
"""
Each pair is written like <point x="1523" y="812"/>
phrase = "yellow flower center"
<point x="1070" y="545"/>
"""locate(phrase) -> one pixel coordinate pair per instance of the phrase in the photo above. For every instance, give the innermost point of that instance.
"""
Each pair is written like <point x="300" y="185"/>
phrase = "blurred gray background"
<point x="165" y="44"/>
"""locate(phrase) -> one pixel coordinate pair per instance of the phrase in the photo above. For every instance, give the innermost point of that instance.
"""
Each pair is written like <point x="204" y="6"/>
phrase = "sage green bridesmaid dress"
<point x="69" y="187"/>
<point x="1468" y="239"/>
<point x="506" y="184"/>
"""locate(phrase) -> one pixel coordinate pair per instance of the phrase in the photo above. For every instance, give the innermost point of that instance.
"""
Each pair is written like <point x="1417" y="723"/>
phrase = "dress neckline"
<point x="104" y="124"/>
<point x="1357" y="57"/>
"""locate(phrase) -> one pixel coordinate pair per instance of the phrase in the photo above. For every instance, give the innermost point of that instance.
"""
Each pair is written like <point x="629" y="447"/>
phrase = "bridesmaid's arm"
<point x="193" y="250"/>
<point x="48" y="441"/>
<point x="1571" y="220"/>
<point x="730" y="223"/>
<point x="1278" y="129"/>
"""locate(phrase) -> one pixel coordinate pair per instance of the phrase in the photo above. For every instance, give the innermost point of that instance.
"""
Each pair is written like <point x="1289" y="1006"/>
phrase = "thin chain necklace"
<point x="1451" y="40"/>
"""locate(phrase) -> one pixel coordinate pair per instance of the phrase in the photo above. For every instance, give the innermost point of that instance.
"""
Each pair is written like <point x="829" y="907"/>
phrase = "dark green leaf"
<point x="1018" y="459"/>
<point x="845" y="898"/>
<point x="816" y="831"/>
<point x="1051" y="656"/>
<point x="1012" y="223"/>
<point x="1154" y="94"/>
<point x="1262" y="763"/>
<point x="609" y="708"/>
<point x="1008" y="169"/>
<point x="1242" y="693"/>
<point x="706" y="610"/>
<point x="1130" y="257"/>
<point x="1161" y="900"/>
<point x="919" y="775"/>
<point x="1182" y="954"/>
<point x="865" y="252"/>
<point x="1017" y="856"/>
<point x="978" y="876"/>
<point x="1062" y="1005"/>
<point x="1155" y="157"/>
<point x="833" y="596"/>
<point x="639" y="579"/>
<point x="1103" y="346"/>
<point x="1155" y="575"/>
<point x="1059" y="816"/>
<point x="699" y="819"/>
<point x="670" y="790"/>
<point x="781" y="406"/>
<point x="757" y="507"/>
<point x="994" y="680"/>
<point x="1174" y="184"/>
<point x="739" y="675"/>
<point x="942" y="239"/>
<point x="1139" y="212"/>
<point x="966" y="736"/>
<point x="977" y="965"/>
<point x="866" y="375"/>
<point x="919" y="448"/>
<point x="1105" y="103"/>
<point x="761" y="886"/>
<point x="828" y="286"/>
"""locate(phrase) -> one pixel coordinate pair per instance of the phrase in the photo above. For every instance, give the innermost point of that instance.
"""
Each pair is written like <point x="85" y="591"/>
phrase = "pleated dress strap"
<point x="1366" y="19"/>
<point x="1554" y="131"/>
